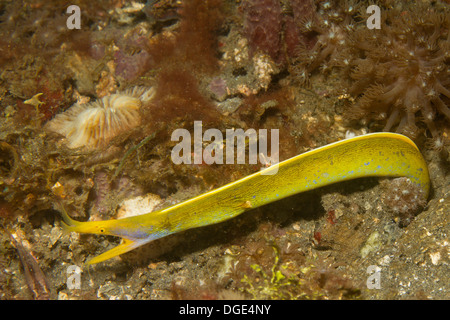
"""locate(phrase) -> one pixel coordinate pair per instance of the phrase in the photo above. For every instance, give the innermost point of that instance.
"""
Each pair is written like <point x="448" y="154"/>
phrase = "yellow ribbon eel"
<point x="376" y="154"/>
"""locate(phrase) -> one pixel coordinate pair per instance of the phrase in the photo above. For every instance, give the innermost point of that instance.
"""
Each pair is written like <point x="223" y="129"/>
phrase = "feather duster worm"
<point x="94" y="124"/>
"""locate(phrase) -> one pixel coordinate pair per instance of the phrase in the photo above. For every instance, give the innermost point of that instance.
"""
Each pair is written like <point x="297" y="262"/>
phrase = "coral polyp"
<point x="402" y="76"/>
<point x="398" y="74"/>
<point x="94" y="124"/>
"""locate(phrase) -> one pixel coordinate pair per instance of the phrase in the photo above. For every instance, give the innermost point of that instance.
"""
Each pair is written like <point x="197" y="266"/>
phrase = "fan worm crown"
<point x="94" y="124"/>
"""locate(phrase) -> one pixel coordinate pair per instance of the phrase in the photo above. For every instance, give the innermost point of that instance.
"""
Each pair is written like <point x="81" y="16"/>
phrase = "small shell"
<point x="138" y="206"/>
<point x="95" y="124"/>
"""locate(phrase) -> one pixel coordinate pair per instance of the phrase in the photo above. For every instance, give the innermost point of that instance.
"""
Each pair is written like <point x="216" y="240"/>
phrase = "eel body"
<point x="377" y="154"/>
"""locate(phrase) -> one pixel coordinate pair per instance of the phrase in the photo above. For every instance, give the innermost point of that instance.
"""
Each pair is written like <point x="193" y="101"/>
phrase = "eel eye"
<point x="102" y="230"/>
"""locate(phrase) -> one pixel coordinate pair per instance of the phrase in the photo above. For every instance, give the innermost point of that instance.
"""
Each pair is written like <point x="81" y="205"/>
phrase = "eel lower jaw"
<point x="125" y="246"/>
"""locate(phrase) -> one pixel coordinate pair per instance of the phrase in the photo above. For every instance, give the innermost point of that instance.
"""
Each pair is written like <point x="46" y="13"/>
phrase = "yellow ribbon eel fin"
<point x="371" y="155"/>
